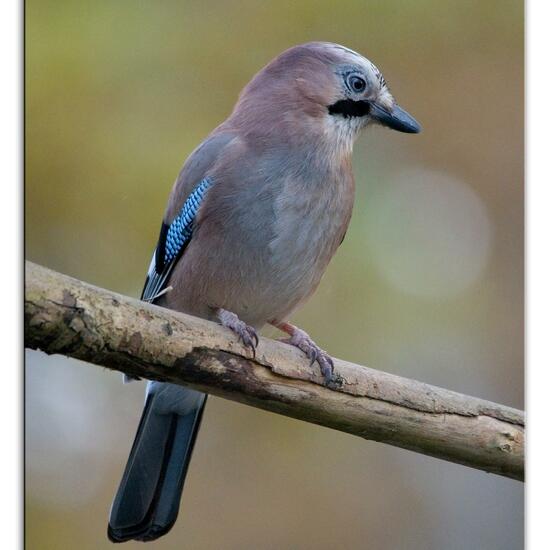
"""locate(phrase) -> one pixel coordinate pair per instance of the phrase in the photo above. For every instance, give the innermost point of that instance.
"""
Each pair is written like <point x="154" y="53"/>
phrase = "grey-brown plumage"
<point x="277" y="206"/>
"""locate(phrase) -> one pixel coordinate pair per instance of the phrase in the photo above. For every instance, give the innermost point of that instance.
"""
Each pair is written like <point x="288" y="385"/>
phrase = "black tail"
<point x="147" y="501"/>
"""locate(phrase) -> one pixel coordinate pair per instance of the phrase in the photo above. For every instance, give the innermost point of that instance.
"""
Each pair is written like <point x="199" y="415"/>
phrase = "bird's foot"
<point x="246" y="333"/>
<point x="301" y="339"/>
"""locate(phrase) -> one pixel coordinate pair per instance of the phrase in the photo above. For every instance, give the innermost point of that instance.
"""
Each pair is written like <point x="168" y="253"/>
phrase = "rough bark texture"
<point x="69" y="317"/>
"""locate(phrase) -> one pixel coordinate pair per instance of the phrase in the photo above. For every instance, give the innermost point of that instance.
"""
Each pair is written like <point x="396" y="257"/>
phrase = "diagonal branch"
<point x="69" y="317"/>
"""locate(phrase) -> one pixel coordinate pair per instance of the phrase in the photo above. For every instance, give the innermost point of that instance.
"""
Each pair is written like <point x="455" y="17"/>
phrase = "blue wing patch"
<point x="172" y="242"/>
<point x="181" y="228"/>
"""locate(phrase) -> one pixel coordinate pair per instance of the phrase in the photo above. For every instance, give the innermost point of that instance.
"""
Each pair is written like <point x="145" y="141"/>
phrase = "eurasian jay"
<point x="253" y="219"/>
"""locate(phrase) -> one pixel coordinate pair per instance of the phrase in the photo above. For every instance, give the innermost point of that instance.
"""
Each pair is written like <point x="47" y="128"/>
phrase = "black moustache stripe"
<point x="349" y="108"/>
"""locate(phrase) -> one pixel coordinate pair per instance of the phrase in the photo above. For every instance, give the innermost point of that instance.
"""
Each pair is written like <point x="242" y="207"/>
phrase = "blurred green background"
<point x="428" y="283"/>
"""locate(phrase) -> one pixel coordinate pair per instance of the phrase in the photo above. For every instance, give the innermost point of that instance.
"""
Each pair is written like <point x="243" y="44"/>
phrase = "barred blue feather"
<point x="181" y="228"/>
<point x="172" y="241"/>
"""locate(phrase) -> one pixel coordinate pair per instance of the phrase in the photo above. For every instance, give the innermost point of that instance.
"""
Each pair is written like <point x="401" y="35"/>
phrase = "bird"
<point x="253" y="219"/>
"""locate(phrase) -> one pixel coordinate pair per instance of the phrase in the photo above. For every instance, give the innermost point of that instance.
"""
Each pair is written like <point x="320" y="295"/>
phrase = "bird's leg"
<point x="246" y="333"/>
<point x="303" y="341"/>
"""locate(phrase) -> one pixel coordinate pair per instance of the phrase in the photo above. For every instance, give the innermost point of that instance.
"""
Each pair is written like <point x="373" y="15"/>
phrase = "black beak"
<point x="396" y="119"/>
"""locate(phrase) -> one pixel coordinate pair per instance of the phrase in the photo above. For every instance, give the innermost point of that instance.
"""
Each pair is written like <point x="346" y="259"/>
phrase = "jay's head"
<point x="320" y="89"/>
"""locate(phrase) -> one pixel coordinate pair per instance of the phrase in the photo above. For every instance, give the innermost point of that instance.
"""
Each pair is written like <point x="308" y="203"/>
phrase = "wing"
<point x="173" y="240"/>
<point x="185" y="199"/>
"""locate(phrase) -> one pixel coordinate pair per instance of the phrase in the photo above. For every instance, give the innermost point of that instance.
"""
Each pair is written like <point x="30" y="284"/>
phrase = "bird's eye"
<point x="356" y="83"/>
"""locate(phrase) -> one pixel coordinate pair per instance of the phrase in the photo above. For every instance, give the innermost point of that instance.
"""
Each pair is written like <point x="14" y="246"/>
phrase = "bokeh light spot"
<point x="428" y="233"/>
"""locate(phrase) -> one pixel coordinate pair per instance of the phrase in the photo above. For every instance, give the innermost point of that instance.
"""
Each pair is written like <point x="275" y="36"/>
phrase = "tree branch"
<point x="67" y="316"/>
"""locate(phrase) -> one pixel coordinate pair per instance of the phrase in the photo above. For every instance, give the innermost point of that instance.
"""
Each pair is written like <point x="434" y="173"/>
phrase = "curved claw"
<point x="327" y="366"/>
<point x="249" y="338"/>
<point x="313" y="352"/>
<point x="246" y="333"/>
<point x="313" y="356"/>
<point x="254" y="335"/>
